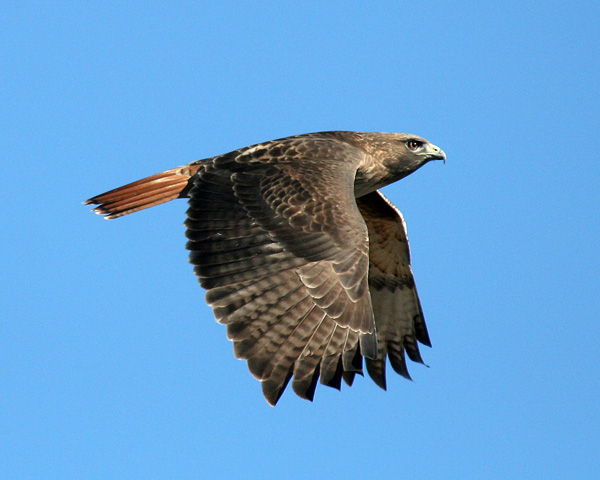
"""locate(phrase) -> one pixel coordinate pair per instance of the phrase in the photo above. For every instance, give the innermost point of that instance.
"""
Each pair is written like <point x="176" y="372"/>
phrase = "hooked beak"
<point x="434" y="153"/>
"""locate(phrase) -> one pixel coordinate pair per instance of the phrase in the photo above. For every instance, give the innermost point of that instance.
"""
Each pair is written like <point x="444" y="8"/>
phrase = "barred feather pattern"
<point x="398" y="313"/>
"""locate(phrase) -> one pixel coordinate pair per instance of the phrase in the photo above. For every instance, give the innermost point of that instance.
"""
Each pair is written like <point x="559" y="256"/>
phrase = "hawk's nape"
<point x="303" y="259"/>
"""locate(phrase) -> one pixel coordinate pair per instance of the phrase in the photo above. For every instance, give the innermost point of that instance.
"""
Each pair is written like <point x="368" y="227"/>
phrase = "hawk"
<point x="303" y="259"/>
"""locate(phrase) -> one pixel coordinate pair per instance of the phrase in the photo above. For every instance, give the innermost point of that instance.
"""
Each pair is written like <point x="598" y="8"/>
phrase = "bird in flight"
<point x="303" y="259"/>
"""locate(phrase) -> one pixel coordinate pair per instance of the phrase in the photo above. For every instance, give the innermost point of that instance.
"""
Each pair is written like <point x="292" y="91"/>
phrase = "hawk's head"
<point x="392" y="156"/>
<point x="405" y="153"/>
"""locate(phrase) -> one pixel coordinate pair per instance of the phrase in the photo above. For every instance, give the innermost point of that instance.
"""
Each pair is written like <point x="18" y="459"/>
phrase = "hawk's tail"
<point x="145" y="193"/>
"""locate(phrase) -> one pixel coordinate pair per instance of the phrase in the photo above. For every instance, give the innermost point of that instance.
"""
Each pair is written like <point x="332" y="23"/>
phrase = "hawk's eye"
<point x="414" y="144"/>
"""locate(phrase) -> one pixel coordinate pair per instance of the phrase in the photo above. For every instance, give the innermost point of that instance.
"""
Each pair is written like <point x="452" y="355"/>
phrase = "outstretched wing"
<point x="398" y="314"/>
<point x="279" y="243"/>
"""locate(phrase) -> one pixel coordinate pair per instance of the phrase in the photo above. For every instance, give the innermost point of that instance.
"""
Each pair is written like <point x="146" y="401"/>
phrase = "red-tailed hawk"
<point x="303" y="259"/>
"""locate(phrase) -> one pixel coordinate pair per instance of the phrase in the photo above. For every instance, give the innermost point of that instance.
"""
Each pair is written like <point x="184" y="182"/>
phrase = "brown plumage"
<point x="303" y="259"/>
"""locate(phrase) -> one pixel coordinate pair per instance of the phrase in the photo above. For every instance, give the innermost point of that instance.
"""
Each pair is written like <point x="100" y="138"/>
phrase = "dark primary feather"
<point x="307" y="278"/>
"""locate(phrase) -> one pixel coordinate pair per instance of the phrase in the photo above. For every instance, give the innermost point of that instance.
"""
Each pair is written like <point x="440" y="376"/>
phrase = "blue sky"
<point x="111" y="365"/>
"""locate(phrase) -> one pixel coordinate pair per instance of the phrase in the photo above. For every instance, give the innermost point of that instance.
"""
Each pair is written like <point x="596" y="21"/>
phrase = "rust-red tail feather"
<point x="144" y="193"/>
